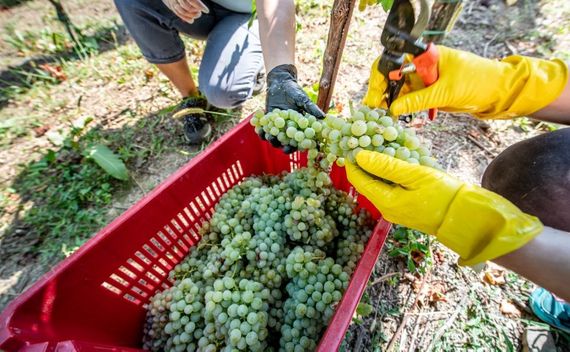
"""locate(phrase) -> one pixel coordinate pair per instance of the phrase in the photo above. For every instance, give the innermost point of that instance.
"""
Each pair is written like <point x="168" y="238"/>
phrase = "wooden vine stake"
<point x="444" y="13"/>
<point x="340" y="20"/>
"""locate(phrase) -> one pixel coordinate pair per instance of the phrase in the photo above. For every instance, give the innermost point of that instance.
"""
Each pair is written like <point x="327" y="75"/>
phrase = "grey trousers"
<point x="232" y="58"/>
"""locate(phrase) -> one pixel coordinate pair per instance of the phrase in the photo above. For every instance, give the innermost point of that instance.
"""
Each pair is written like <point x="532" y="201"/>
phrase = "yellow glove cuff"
<point x="532" y="83"/>
<point x="481" y="225"/>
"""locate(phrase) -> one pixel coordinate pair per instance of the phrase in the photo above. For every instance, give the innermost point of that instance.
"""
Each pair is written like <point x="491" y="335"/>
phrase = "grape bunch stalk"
<point x="337" y="138"/>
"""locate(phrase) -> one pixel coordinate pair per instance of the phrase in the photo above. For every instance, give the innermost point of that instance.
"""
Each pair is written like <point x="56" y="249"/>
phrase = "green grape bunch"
<point x="273" y="262"/>
<point x="316" y="286"/>
<point x="337" y="138"/>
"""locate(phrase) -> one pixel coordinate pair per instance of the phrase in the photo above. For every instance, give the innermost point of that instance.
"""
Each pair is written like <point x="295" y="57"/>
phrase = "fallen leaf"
<point x="494" y="274"/>
<point x="54" y="71"/>
<point x="417" y="256"/>
<point x="436" y="292"/>
<point x="474" y="134"/>
<point x="148" y="74"/>
<point x="438" y="256"/>
<point x="509" y="309"/>
<point x="41" y="130"/>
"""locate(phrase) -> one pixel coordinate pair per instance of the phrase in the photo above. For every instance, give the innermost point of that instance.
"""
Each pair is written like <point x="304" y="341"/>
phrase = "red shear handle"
<point x="426" y="68"/>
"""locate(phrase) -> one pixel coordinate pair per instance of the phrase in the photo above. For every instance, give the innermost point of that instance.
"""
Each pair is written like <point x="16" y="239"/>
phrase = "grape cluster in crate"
<point x="278" y="252"/>
<point x="271" y="265"/>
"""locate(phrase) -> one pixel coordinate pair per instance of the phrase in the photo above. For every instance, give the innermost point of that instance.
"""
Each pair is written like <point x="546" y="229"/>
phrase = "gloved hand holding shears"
<point x="454" y="80"/>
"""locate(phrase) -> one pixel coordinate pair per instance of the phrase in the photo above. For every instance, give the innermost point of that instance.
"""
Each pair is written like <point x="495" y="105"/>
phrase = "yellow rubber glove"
<point x="514" y="86"/>
<point x="477" y="224"/>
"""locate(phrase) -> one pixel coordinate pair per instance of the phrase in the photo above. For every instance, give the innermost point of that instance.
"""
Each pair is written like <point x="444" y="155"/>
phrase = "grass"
<point x="473" y="330"/>
<point x="59" y="197"/>
<point x="51" y="60"/>
<point x="412" y="246"/>
<point x="64" y="196"/>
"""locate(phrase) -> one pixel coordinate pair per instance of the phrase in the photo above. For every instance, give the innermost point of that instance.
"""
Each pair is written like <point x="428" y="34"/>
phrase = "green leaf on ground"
<point x="387" y="4"/>
<point x="108" y="161"/>
<point x="364" y="309"/>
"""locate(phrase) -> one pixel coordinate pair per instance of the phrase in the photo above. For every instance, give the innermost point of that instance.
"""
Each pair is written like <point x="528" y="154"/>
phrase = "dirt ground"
<point x="406" y="314"/>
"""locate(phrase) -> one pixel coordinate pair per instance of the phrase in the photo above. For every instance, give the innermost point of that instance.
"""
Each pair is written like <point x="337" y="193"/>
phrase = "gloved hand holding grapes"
<point x="477" y="224"/>
<point x="283" y="92"/>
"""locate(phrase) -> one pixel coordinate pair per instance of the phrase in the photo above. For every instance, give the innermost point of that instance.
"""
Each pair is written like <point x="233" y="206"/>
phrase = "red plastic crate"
<point x="94" y="300"/>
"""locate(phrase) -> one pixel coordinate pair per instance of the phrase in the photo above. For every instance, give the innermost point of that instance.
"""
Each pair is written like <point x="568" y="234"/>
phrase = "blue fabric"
<point x="236" y="5"/>
<point x="232" y="58"/>
<point x="551" y="310"/>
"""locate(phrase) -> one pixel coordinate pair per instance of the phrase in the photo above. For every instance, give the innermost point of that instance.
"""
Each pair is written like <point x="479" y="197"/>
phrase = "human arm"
<point x="558" y="111"/>
<point x="544" y="260"/>
<point x="277" y="35"/>
<point x="277" y="32"/>
<point x="515" y="86"/>
<point x="477" y="224"/>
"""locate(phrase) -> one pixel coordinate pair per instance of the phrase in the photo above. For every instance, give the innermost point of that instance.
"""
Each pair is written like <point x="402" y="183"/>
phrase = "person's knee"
<point x="535" y="176"/>
<point x="225" y="97"/>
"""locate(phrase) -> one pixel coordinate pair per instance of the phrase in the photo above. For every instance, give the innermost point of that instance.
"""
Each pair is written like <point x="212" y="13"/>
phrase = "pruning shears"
<point x="402" y="35"/>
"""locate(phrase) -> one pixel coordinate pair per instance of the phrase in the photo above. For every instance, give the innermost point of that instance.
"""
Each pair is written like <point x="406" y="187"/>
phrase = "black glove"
<point x="283" y="92"/>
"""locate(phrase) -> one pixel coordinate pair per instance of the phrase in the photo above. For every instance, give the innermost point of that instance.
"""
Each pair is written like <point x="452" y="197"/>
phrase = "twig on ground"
<point x="449" y="322"/>
<point x="426" y="326"/>
<point x="139" y="185"/>
<point x="415" y="333"/>
<point x="477" y="143"/>
<point x="488" y="43"/>
<point x="406" y="316"/>
<point x="397" y="333"/>
<point x="511" y="48"/>
<point x="450" y="149"/>
<point x="403" y="339"/>
<point x="359" y="339"/>
<point x="383" y="278"/>
<point x="446" y="312"/>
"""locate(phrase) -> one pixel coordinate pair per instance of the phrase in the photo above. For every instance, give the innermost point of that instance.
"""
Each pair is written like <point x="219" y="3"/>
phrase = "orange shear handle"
<point x="426" y="68"/>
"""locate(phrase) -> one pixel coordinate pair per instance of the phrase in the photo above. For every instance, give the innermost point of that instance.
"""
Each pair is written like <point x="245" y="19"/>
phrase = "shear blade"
<point x="401" y="17"/>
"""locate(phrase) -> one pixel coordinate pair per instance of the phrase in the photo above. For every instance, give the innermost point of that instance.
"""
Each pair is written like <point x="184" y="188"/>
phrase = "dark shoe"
<point x="197" y="128"/>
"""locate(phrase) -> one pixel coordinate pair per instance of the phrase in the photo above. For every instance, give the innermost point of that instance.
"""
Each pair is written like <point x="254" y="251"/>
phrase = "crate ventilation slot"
<point x="295" y="161"/>
<point x="146" y="271"/>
